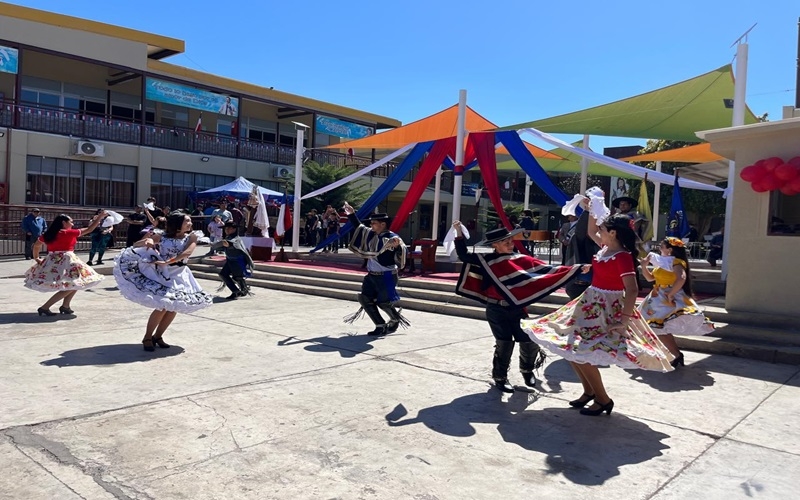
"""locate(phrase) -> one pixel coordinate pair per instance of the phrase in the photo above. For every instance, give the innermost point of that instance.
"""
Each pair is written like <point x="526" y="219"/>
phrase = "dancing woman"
<point x="61" y="270"/>
<point x="153" y="273"/>
<point x="669" y="309"/>
<point x="601" y="327"/>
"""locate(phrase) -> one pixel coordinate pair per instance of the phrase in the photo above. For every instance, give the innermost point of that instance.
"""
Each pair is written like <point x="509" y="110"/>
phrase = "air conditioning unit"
<point x="86" y="148"/>
<point x="283" y="172"/>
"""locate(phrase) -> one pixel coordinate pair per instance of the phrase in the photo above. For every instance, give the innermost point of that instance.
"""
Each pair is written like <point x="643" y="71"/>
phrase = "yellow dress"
<point x="681" y="317"/>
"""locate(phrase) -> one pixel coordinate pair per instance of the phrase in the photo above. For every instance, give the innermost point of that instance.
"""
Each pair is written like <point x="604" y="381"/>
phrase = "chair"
<point x="425" y="252"/>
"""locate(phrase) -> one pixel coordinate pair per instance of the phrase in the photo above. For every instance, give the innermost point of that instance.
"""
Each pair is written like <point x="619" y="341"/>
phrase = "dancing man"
<point x="238" y="262"/>
<point x="506" y="282"/>
<point x="385" y="253"/>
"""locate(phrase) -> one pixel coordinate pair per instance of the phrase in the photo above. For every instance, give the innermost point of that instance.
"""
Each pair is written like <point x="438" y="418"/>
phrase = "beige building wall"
<point x="763" y="271"/>
<point x="70" y="41"/>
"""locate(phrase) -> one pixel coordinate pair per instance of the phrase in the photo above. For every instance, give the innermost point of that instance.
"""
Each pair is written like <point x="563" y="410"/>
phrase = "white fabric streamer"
<point x="113" y="219"/>
<point x="622" y="166"/>
<point x="360" y="173"/>
<point x="569" y="208"/>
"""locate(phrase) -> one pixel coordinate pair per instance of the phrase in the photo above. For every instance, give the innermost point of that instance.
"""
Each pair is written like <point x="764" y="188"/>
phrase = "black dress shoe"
<point x="504" y="385"/>
<point x="148" y="345"/>
<point x="599" y="411"/>
<point x="378" y="331"/>
<point x="582" y="401"/>
<point x="233" y="296"/>
<point x="392" y="326"/>
<point x="160" y="343"/>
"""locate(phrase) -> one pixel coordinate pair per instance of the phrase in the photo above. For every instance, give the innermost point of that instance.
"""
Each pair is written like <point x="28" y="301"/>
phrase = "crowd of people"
<point x="601" y="325"/>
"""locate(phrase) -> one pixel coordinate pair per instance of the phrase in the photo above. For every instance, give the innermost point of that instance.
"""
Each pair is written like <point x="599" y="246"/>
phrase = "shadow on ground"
<point x="32" y="317"/>
<point x="113" y="354"/>
<point x="347" y="346"/>
<point x="585" y="450"/>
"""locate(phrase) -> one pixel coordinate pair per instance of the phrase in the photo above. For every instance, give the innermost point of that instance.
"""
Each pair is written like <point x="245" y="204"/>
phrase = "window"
<point x="173" y="188"/>
<point x="784" y="212"/>
<point x="69" y="182"/>
<point x="174" y="116"/>
<point x="260" y="130"/>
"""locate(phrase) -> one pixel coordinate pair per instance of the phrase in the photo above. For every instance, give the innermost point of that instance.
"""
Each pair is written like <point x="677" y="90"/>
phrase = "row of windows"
<point x="171" y="188"/>
<point x="71" y="182"/>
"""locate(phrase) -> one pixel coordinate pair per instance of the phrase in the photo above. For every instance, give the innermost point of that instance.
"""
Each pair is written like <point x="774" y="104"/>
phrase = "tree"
<point x="701" y="206"/>
<point x="318" y="175"/>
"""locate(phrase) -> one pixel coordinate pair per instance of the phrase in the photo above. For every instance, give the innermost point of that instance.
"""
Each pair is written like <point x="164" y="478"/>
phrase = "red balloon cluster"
<point x="772" y="174"/>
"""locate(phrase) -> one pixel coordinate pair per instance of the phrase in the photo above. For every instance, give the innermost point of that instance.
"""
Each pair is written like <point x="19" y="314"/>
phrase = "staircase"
<point x="774" y="339"/>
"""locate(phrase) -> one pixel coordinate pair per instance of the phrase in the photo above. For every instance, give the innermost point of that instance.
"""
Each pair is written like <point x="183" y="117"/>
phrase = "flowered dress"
<point x="579" y="331"/>
<point x="168" y="287"/>
<point x="681" y="317"/>
<point x="61" y="270"/>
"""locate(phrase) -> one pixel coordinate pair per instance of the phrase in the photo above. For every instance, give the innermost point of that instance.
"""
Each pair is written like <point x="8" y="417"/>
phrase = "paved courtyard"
<point x="274" y="397"/>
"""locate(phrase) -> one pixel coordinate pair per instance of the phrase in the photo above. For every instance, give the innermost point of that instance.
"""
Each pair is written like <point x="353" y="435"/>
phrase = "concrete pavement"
<point x="274" y="397"/>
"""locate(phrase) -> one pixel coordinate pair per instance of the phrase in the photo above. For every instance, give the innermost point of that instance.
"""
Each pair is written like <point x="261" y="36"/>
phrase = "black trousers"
<point x="374" y="288"/>
<point x="230" y="274"/>
<point x="504" y="322"/>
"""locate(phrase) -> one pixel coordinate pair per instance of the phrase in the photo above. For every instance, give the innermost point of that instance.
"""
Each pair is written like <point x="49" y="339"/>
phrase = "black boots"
<point x="372" y="311"/>
<point x="503" y="350"/>
<point x="531" y="357"/>
<point x="395" y="319"/>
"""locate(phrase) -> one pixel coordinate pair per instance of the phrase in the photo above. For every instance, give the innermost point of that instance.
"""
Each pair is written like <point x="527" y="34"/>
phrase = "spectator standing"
<point x="100" y="236"/>
<point x="136" y="222"/>
<point x="716" y="247"/>
<point x="34" y="226"/>
<point x="222" y="211"/>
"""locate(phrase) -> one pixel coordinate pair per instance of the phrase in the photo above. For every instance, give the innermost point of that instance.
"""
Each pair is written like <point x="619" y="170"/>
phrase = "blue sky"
<point x="519" y="60"/>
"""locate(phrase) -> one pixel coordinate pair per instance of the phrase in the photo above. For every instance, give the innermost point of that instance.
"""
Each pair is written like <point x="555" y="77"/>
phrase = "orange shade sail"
<point x="441" y="125"/>
<point x="699" y="153"/>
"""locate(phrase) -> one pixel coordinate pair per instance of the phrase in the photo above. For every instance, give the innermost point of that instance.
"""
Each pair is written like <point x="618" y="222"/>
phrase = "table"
<point x="260" y="248"/>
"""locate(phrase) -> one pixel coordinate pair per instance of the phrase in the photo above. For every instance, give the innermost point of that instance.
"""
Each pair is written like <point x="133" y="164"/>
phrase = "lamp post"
<point x="298" y="183"/>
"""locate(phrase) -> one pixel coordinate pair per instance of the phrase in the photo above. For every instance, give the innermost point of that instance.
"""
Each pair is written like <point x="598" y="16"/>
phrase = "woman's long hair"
<point x="679" y="252"/>
<point x="174" y="223"/>
<point x="56" y="226"/>
<point x="625" y="234"/>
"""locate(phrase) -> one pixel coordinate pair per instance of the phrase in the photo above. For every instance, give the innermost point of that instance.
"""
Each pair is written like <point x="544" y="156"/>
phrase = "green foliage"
<point x="318" y="175"/>
<point x="513" y="212"/>
<point x="701" y="206"/>
<point x="571" y="183"/>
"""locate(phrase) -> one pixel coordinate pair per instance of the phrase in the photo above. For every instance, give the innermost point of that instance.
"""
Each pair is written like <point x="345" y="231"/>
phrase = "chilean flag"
<point x="199" y="127"/>
<point x="284" y="218"/>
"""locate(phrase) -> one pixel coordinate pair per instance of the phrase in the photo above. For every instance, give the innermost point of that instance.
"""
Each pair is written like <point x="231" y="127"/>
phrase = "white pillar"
<point x="461" y="133"/>
<point x="584" y="166"/>
<point x="527" y="200"/>
<point x="739" y="106"/>
<point x="437" y="194"/>
<point x="298" y="187"/>
<point x="656" y="202"/>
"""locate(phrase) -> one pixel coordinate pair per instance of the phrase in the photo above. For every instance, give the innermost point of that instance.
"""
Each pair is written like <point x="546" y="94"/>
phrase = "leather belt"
<point x="380" y="273"/>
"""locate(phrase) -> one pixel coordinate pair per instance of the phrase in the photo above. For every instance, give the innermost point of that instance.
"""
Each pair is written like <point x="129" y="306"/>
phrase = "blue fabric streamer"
<point x="383" y="190"/>
<point x="511" y="140"/>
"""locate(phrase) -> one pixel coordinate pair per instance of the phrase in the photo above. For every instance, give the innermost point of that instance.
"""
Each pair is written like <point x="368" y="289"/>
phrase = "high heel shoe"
<point x="678" y="361"/>
<point x="45" y="312"/>
<point x="599" y="411"/>
<point x="148" y="345"/>
<point x="65" y="310"/>
<point x="160" y="343"/>
<point x="582" y="401"/>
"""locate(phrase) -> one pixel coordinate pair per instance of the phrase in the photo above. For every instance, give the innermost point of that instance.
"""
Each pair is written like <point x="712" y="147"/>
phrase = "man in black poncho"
<point x="386" y="254"/>
<point x="238" y="262"/>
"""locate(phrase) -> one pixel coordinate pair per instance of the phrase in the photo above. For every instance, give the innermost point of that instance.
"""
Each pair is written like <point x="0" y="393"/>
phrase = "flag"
<point x="350" y="152"/>
<point x="644" y="209"/>
<point x="284" y="217"/>
<point x="199" y="126"/>
<point x="262" y="220"/>
<point x="677" y="225"/>
<point x="235" y="128"/>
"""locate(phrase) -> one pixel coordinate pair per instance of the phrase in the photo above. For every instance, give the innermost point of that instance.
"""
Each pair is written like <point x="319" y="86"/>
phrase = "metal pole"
<point x="527" y="200"/>
<point x="656" y="202"/>
<point x="437" y="194"/>
<point x="584" y="165"/>
<point x="461" y="133"/>
<point x="298" y="187"/>
<point x="739" y="106"/>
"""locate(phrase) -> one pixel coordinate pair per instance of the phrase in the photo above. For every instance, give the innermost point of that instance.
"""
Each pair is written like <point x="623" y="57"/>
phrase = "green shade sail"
<point x="571" y="163"/>
<point x="675" y="112"/>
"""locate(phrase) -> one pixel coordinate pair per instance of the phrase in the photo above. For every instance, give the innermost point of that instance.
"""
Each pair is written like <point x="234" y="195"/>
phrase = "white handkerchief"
<point x="597" y="204"/>
<point x="662" y="261"/>
<point x="449" y="242"/>
<point x="569" y="208"/>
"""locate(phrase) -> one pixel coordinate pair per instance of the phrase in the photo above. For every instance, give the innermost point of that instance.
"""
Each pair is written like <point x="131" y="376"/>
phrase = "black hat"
<point x="630" y="200"/>
<point x="498" y="234"/>
<point x="380" y="217"/>
<point x="230" y="223"/>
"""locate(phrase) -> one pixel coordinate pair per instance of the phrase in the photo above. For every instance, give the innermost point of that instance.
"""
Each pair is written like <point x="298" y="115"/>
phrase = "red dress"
<point x="61" y="269"/>
<point x="579" y="331"/>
